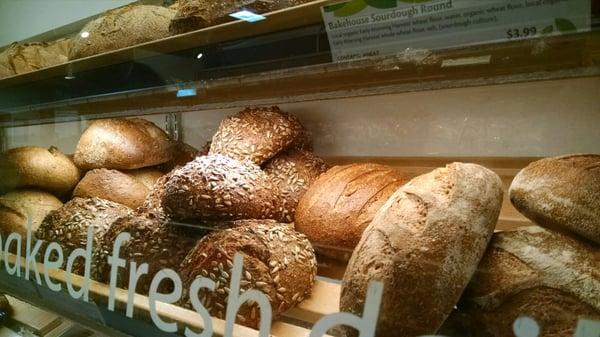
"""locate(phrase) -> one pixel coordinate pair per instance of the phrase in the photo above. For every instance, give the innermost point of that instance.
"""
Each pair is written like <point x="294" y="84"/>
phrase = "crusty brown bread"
<point x="278" y="261"/>
<point x="147" y="176"/>
<point x="40" y="168"/>
<point x="17" y="207"/>
<point x="19" y="58"/>
<point x="122" y="27"/>
<point x="6" y="68"/>
<point x="217" y="187"/>
<point x="341" y="203"/>
<point x="69" y="224"/>
<point x="424" y="245"/>
<point x="561" y="193"/>
<point x="182" y="154"/>
<point x="545" y="275"/>
<point x="153" y="207"/>
<point x="293" y="172"/>
<point x="255" y="134"/>
<point x="122" y="144"/>
<point x="160" y="244"/>
<point x="112" y="185"/>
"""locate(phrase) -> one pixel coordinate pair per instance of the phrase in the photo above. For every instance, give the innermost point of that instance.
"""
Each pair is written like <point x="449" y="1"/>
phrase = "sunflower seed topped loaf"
<point x="561" y="193"/>
<point x="278" y="261"/>
<point x="112" y="185"/>
<point x="160" y="244"/>
<point x="341" y="203"/>
<point x="120" y="28"/>
<point x="545" y="275"/>
<point x="216" y="187"/>
<point x="424" y="245"/>
<point x="293" y="172"/>
<point x="256" y="134"/>
<point x="122" y="144"/>
<point x="69" y="224"/>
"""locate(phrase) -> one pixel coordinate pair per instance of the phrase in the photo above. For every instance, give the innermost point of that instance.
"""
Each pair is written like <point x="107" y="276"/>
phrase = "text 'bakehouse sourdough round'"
<point x="122" y="144"/>
<point x="69" y="224"/>
<point x="424" y="245"/>
<point x="278" y="261"/>
<point x="217" y="187"/>
<point x="255" y="134"/>
<point x="341" y="203"/>
<point x="561" y="193"/>
<point x="545" y="275"/>
<point x="37" y="167"/>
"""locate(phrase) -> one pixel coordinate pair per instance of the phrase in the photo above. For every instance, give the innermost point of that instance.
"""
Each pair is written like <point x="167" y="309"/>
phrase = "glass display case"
<point x="290" y="168"/>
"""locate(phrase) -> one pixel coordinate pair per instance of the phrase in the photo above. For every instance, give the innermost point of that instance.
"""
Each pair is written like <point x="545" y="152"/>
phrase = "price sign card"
<point x="365" y="28"/>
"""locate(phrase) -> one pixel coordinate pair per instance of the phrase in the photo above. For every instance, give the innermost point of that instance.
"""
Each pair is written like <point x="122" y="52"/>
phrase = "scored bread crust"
<point x="278" y="261"/>
<point x="342" y="202"/>
<point x="293" y="172"/>
<point x="37" y="167"/>
<point x="255" y="134"/>
<point x="122" y="144"/>
<point x="424" y="245"/>
<point x="216" y="187"/>
<point x="538" y="273"/>
<point x="561" y="193"/>
<point x="112" y="185"/>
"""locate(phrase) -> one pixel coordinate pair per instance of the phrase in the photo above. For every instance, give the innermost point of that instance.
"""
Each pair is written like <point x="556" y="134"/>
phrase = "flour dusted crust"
<point x="278" y="261"/>
<point x="561" y="193"/>
<point x="424" y="245"/>
<point x="538" y="273"/>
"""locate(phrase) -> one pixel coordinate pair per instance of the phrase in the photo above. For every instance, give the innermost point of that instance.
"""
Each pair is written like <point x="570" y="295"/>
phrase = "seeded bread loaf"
<point x="561" y="193"/>
<point x="153" y="205"/>
<point x="278" y="261"/>
<point x="545" y="275"/>
<point x="39" y="168"/>
<point x="122" y="144"/>
<point x="112" y="185"/>
<point x="217" y="187"/>
<point x="120" y="28"/>
<point x="293" y="172"/>
<point x="69" y="224"/>
<point x="424" y="245"/>
<point x="255" y="134"/>
<point x="160" y="244"/>
<point x="341" y="203"/>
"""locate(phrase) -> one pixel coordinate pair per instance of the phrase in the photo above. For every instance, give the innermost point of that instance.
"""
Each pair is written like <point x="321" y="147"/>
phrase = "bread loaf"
<point x="341" y="203"/>
<point x="120" y="28"/>
<point x="216" y="187"/>
<point x="182" y="154"/>
<point x="561" y="193"/>
<point x="19" y="58"/>
<point x="122" y="144"/>
<point x="112" y="185"/>
<point x="147" y="176"/>
<point x="293" y="172"/>
<point x="40" y="168"/>
<point x="18" y="207"/>
<point x="277" y="261"/>
<point x="424" y="245"/>
<point x="69" y="224"/>
<point x="6" y="68"/>
<point x="537" y="273"/>
<point x="160" y="244"/>
<point x="255" y="134"/>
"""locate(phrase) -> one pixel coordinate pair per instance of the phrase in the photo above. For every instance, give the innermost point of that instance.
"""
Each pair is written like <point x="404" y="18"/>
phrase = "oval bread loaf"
<point x="547" y="276"/>
<point x="424" y="245"/>
<point x="112" y="185"/>
<point x="561" y="193"/>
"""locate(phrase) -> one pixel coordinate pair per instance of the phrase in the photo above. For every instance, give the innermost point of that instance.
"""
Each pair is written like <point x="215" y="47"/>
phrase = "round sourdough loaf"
<point x="341" y="203"/>
<point x="424" y="245"/>
<point x="147" y="176"/>
<point x="159" y="244"/>
<point x="112" y="185"/>
<point x="547" y="276"/>
<point x="40" y="168"/>
<point x="19" y="207"/>
<point x="120" y="28"/>
<point x="278" y="261"/>
<point x="217" y="187"/>
<point x="69" y="224"/>
<point x="561" y="193"/>
<point x="255" y="134"/>
<point x="122" y="144"/>
<point x="293" y="172"/>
